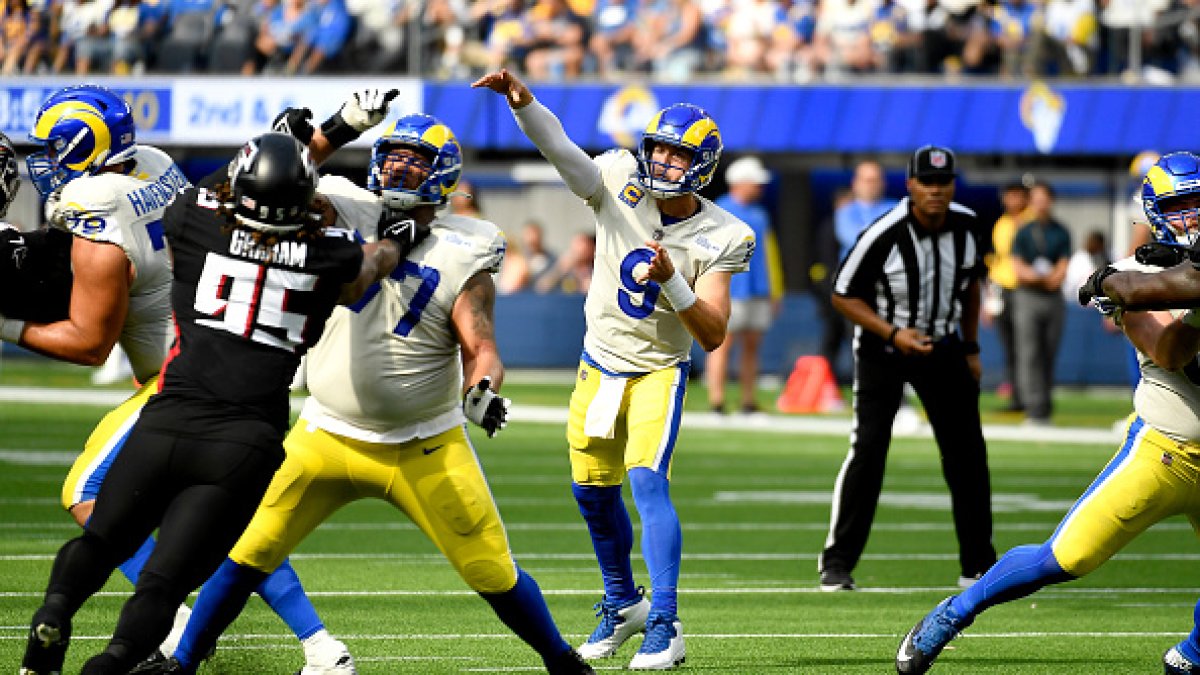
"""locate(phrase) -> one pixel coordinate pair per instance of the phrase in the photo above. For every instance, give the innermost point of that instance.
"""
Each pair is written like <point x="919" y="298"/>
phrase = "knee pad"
<point x="458" y="504"/>
<point x="490" y="575"/>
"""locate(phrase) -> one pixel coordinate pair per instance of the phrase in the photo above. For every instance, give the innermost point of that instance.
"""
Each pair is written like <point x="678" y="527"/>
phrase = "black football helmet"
<point x="273" y="181"/>
<point x="10" y="179"/>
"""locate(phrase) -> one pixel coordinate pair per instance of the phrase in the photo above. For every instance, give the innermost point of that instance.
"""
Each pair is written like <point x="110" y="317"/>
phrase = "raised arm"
<point x="578" y="170"/>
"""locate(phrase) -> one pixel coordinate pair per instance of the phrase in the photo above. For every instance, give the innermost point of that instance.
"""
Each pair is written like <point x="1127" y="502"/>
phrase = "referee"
<point x="910" y="284"/>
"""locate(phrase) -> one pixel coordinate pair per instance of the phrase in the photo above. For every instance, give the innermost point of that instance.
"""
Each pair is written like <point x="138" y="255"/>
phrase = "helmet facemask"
<point x="686" y="127"/>
<point x="1171" y="198"/>
<point x="82" y="130"/>
<point x="10" y="179"/>
<point x="400" y="172"/>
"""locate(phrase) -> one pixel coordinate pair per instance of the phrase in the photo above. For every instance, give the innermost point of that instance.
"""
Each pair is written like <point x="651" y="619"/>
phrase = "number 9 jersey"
<point x="631" y="328"/>
<point x="388" y="368"/>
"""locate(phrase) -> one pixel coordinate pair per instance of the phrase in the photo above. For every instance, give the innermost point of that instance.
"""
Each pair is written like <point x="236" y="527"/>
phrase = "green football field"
<point x="754" y="507"/>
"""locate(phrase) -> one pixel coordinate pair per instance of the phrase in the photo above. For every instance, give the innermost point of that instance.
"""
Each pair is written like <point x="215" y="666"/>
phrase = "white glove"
<point x="53" y="210"/>
<point x="364" y="109"/>
<point x="485" y="407"/>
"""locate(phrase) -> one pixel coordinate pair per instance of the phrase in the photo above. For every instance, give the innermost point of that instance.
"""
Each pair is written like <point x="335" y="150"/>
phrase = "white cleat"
<point x="324" y="655"/>
<point x="663" y="647"/>
<point x="617" y="624"/>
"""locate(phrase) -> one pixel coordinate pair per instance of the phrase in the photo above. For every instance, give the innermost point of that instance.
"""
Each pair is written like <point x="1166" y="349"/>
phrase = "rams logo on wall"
<point x="626" y="113"/>
<point x="1042" y="113"/>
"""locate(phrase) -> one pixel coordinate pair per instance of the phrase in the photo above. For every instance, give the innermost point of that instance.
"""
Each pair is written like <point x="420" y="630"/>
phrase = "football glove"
<point x="363" y="110"/>
<point x="1158" y="254"/>
<point x="1093" y="288"/>
<point x="295" y="122"/>
<point x="485" y="407"/>
<point x="406" y="233"/>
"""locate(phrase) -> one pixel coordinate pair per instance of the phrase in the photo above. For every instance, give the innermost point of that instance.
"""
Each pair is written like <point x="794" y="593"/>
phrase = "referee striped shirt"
<point x="911" y="277"/>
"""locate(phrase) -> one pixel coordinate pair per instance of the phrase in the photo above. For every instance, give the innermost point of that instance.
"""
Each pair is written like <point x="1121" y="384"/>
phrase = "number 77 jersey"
<point x="389" y="368"/>
<point x="631" y="328"/>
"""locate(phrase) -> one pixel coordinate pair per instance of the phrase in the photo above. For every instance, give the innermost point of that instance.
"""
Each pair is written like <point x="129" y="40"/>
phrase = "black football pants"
<point x="950" y="395"/>
<point x="201" y="495"/>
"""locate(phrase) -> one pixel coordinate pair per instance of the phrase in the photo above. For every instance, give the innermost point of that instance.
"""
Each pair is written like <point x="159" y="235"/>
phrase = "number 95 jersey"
<point x="388" y="368"/>
<point x="631" y="328"/>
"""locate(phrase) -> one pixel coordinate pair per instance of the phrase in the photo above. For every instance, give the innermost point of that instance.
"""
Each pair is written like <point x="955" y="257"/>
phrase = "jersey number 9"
<point x="648" y="290"/>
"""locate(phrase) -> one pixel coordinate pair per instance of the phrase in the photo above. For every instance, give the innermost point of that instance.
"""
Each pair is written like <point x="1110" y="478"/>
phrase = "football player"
<point x="38" y="263"/>
<point x="392" y="381"/>
<point x="255" y="277"/>
<point x="1154" y="474"/>
<point x="664" y="257"/>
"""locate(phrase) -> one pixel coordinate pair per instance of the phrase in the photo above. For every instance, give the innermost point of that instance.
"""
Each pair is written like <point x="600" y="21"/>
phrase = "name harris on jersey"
<point x="156" y="194"/>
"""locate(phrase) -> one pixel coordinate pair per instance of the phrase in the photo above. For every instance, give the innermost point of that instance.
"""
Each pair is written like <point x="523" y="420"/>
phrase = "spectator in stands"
<point x="843" y="40"/>
<point x="1065" y="40"/>
<point x="382" y="36"/>
<point x="540" y="260"/>
<point x="124" y="23"/>
<point x="25" y="31"/>
<point x="1093" y="255"/>
<point x="1001" y="37"/>
<point x="938" y="36"/>
<point x="279" y="34"/>
<point x="508" y="39"/>
<point x="83" y="32"/>
<point x="614" y="38"/>
<point x="820" y="277"/>
<point x="749" y="34"/>
<point x="1041" y="251"/>
<point x="573" y="271"/>
<point x="556" y="41"/>
<point x="673" y="43"/>
<point x="325" y="33"/>
<point x="754" y="299"/>
<point x="790" y="52"/>
<point x="868" y="204"/>
<point x="1002" y="283"/>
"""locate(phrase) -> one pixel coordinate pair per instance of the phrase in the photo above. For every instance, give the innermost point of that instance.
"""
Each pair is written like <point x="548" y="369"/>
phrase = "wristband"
<point x="970" y="347"/>
<point x="678" y="293"/>
<point x="338" y="132"/>
<point x="891" y="339"/>
<point x="1191" y="318"/>
<point x="11" y="329"/>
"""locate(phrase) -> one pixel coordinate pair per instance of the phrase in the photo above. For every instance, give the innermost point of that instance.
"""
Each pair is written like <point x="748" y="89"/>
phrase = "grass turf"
<point x="754" y="508"/>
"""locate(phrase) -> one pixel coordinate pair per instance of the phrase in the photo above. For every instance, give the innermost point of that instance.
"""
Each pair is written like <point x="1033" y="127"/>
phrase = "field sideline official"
<point x="911" y="285"/>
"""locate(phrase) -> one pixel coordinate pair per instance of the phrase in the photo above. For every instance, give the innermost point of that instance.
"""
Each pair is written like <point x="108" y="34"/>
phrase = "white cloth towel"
<point x="602" y="412"/>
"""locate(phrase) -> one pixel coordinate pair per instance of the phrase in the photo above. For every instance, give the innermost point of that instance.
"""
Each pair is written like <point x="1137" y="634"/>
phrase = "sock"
<point x="523" y="609"/>
<point x="612" y="538"/>
<point x="284" y="593"/>
<point x="220" y="601"/>
<point x="133" y="567"/>
<point x="1020" y="572"/>
<point x="1190" y="647"/>
<point x="182" y="614"/>
<point x="662" y="538"/>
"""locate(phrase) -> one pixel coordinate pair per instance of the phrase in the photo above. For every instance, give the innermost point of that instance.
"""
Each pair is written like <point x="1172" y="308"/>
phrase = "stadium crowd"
<point x="783" y="40"/>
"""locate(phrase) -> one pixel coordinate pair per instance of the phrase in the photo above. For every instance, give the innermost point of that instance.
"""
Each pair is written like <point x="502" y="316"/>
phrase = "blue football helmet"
<point x="1171" y="198"/>
<point x="685" y="126"/>
<point x="389" y="173"/>
<point x="82" y="129"/>
<point x="10" y="178"/>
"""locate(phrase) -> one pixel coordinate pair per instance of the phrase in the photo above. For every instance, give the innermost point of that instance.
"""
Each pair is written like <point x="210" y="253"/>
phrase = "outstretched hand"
<point x="505" y="83"/>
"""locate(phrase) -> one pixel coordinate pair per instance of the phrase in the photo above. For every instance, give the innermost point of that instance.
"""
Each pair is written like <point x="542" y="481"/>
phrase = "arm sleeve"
<point x="578" y="170"/>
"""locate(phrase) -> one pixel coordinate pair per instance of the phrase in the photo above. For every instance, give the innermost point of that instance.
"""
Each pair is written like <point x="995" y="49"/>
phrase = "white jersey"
<point x="388" y="369"/>
<point x="631" y="328"/>
<point x="127" y="210"/>
<point x="1169" y="400"/>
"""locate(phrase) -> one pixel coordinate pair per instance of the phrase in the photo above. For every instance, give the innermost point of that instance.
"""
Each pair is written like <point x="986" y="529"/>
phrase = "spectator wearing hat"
<point x="911" y="286"/>
<point x="755" y="295"/>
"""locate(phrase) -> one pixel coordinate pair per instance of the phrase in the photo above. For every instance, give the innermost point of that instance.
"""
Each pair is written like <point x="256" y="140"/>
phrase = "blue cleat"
<point x="617" y="624"/>
<point x="920" y="648"/>
<point x="662" y="649"/>
<point x="1175" y="663"/>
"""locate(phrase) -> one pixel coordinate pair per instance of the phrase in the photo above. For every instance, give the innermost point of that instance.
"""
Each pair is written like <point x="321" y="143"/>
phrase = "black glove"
<point x="1158" y="254"/>
<point x="1093" y="288"/>
<point x="485" y="407"/>
<point x="296" y="122"/>
<point x="406" y="233"/>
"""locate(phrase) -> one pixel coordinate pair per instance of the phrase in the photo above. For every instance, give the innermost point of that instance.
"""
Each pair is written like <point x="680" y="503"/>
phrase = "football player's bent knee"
<point x="490" y="575"/>
<point x="258" y="552"/>
<point x="1077" y="561"/>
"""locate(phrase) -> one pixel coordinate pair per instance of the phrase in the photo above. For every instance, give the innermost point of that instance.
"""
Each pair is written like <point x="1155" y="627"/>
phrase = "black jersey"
<point x="35" y="273"/>
<point x="245" y="309"/>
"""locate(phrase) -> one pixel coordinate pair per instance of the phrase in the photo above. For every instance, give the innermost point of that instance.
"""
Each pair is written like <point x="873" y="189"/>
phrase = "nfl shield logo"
<point x="937" y="159"/>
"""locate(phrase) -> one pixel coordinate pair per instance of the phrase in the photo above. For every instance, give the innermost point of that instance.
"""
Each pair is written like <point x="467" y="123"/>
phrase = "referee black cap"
<point x="932" y="161"/>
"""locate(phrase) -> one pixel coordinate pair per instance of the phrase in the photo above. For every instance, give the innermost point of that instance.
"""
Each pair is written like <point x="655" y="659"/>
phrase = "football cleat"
<point x="833" y="580"/>
<point x="150" y="664"/>
<point x="663" y="647"/>
<point x="46" y="648"/>
<point x="1175" y="663"/>
<point x="327" y="657"/>
<point x="617" y="624"/>
<point x="569" y="663"/>
<point x="966" y="582"/>
<point x="920" y="648"/>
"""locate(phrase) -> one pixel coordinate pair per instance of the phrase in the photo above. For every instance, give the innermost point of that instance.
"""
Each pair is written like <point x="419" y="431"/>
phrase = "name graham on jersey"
<point x="290" y="253"/>
<point x="159" y="193"/>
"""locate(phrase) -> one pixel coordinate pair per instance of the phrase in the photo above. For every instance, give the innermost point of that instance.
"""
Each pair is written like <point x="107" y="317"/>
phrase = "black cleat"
<point x="834" y="579"/>
<point x="569" y="663"/>
<point x="46" y="648"/>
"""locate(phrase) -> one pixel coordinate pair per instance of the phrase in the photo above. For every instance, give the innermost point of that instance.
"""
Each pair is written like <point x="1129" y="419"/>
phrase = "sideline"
<point x="797" y="425"/>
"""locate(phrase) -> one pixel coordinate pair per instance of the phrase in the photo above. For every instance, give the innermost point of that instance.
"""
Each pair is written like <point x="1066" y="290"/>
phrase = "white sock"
<point x="181" y="618"/>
